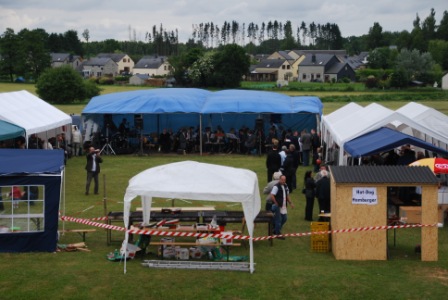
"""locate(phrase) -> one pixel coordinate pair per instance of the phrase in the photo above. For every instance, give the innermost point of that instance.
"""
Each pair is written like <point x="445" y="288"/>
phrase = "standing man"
<point x="305" y="138"/>
<point x="273" y="160"/>
<point x="280" y="198"/>
<point x="93" y="168"/>
<point x="323" y="192"/>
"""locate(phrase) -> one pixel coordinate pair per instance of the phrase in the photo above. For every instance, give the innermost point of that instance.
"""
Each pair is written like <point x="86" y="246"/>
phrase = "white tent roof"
<point x="196" y="181"/>
<point x="30" y="112"/>
<point x="368" y="119"/>
<point x="435" y="121"/>
<point x="336" y="116"/>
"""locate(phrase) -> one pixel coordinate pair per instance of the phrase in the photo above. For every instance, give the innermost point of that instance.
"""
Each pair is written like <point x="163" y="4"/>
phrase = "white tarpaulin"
<point x="196" y="181"/>
<point x="31" y="113"/>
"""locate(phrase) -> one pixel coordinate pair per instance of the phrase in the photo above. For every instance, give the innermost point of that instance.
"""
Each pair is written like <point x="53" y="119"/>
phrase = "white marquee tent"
<point x="196" y="181"/>
<point x="426" y="116"/>
<point x="371" y="117"/>
<point x="31" y="113"/>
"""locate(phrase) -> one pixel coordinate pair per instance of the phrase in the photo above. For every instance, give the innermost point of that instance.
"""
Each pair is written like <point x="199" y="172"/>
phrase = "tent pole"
<point x="200" y="134"/>
<point x="104" y="198"/>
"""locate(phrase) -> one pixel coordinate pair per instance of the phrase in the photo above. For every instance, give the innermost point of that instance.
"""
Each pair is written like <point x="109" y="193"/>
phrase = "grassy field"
<point x="287" y="270"/>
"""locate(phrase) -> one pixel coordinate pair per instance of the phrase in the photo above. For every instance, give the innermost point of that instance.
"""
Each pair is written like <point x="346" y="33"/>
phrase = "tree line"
<point x="26" y="53"/>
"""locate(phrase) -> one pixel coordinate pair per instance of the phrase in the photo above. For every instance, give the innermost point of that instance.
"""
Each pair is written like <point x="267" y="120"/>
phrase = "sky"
<point x="123" y="20"/>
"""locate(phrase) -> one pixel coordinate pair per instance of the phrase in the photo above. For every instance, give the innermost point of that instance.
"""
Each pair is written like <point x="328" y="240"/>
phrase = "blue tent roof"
<point x="30" y="161"/>
<point x="10" y="131"/>
<point x="385" y="139"/>
<point x="187" y="100"/>
<point x="240" y="101"/>
<point x="154" y="101"/>
<point x="307" y="104"/>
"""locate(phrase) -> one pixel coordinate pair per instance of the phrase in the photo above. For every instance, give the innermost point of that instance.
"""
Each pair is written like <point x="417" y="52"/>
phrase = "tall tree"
<point x="37" y="56"/>
<point x="230" y="64"/>
<point x="375" y="36"/>
<point x="12" y="54"/>
<point x="442" y="30"/>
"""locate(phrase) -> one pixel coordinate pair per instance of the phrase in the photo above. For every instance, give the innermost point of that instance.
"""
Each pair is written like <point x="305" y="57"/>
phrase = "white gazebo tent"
<point x="371" y="117"/>
<point x="196" y="181"/>
<point x="32" y="113"/>
<point x="435" y="121"/>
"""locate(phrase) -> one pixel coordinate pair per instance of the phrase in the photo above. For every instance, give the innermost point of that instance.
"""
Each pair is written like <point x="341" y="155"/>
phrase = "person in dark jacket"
<point x="273" y="161"/>
<point x="309" y="188"/>
<point x="93" y="168"/>
<point x="323" y="194"/>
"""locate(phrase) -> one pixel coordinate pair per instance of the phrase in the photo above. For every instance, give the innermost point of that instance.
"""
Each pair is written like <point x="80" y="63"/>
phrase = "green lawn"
<point x="301" y="274"/>
<point x="288" y="270"/>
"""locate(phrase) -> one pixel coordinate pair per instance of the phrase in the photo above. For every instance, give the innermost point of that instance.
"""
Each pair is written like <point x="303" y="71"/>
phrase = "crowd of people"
<point x="287" y="152"/>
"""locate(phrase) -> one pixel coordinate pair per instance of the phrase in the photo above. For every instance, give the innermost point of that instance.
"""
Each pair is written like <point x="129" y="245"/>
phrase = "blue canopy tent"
<point x="184" y="107"/>
<point x="385" y="139"/>
<point x="10" y="131"/>
<point x="30" y="223"/>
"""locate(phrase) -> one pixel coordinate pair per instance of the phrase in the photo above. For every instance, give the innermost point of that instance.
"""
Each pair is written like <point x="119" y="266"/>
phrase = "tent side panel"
<point x="45" y="241"/>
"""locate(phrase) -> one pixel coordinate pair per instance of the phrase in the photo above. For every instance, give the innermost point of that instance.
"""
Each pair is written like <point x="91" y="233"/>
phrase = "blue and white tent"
<point x="30" y="223"/>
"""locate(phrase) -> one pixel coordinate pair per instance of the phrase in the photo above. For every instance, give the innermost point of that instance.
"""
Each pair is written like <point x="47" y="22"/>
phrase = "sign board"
<point x="365" y="195"/>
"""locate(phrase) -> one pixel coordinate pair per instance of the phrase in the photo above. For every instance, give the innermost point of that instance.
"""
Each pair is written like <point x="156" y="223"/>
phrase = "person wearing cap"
<point x="268" y="188"/>
<point x="280" y="199"/>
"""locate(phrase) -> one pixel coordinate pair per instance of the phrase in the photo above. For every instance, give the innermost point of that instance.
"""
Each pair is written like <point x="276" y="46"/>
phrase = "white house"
<point x="153" y="66"/>
<point x="445" y="82"/>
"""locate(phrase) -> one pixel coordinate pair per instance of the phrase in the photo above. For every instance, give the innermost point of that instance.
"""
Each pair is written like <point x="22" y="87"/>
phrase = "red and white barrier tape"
<point x="156" y="232"/>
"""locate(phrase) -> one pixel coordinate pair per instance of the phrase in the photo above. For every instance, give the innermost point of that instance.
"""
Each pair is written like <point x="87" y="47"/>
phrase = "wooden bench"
<point x="81" y="232"/>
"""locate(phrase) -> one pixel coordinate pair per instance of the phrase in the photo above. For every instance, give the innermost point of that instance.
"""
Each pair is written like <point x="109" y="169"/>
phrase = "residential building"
<point x="62" y="59"/>
<point x="325" y="67"/>
<point x="97" y="67"/>
<point x="124" y="62"/>
<point x="271" y="70"/>
<point x="153" y="66"/>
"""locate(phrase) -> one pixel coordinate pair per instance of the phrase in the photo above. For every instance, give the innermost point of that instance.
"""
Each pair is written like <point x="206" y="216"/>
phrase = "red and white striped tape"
<point x="156" y="232"/>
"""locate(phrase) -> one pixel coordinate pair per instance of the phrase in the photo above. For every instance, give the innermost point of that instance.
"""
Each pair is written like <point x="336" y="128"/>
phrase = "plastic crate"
<point x="320" y="242"/>
<point x="320" y="226"/>
<point x="320" y="246"/>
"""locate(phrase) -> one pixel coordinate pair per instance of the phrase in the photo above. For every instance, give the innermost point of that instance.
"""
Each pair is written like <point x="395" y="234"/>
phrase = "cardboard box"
<point x="182" y="253"/>
<point x="411" y="214"/>
<point x="227" y="241"/>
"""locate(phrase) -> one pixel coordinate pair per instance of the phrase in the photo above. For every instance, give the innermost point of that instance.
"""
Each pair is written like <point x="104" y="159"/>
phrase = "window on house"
<point x="23" y="208"/>
<point x="288" y="67"/>
<point x="283" y="67"/>
<point x="304" y="76"/>
<point x="124" y="60"/>
<point x="317" y="76"/>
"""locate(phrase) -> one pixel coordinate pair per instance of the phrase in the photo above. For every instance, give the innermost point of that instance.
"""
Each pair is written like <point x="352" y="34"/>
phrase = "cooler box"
<point x="411" y="214"/>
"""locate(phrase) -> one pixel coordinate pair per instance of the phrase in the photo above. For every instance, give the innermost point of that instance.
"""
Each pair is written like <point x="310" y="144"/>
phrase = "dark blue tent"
<point x="385" y="139"/>
<point x="30" y="223"/>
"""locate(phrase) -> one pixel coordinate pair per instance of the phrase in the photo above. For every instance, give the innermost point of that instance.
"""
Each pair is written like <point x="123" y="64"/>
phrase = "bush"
<point x="64" y="85"/>
<point x="371" y="82"/>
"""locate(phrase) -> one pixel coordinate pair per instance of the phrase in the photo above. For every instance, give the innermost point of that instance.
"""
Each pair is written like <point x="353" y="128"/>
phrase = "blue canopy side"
<point x="31" y="161"/>
<point x="152" y="101"/>
<point x="385" y="139"/>
<point x="307" y="104"/>
<point x="10" y="131"/>
<point x="241" y="101"/>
